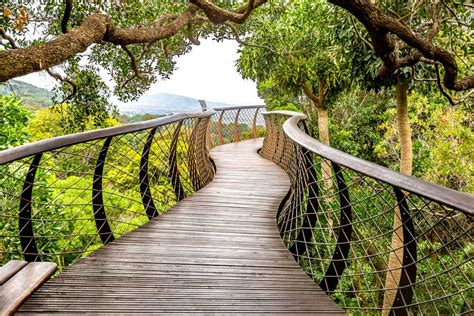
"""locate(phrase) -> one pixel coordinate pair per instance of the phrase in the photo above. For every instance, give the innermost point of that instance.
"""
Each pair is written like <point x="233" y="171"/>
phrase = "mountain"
<point x="29" y="93"/>
<point x="165" y="104"/>
<point x="159" y="103"/>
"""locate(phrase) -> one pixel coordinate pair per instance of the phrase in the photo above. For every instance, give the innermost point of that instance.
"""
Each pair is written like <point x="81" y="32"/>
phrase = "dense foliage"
<point x="13" y="120"/>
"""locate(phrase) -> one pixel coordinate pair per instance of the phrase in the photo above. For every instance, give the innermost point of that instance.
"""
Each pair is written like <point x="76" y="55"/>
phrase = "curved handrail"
<point x="62" y="197"/>
<point x="300" y="115"/>
<point x="435" y="192"/>
<point x="452" y="198"/>
<point x="374" y="239"/>
<point x="33" y="148"/>
<point x="236" y="123"/>
<point x="239" y="107"/>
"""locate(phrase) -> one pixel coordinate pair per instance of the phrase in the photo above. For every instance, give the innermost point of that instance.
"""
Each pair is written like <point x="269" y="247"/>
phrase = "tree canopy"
<point x="135" y="41"/>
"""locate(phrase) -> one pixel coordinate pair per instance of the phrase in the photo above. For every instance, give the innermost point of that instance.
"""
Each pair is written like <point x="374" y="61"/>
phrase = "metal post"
<point x="203" y="105"/>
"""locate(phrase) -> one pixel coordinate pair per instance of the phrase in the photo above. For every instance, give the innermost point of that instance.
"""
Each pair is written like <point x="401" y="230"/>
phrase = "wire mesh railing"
<point x="60" y="199"/>
<point x="375" y="240"/>
<point x="234" y="124"/>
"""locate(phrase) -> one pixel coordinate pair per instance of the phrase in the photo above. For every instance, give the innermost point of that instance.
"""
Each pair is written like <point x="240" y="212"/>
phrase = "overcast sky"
<point x="208" y="72"/>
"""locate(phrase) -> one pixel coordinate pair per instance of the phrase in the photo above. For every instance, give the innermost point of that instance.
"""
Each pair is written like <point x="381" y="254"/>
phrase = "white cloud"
<point x="39" y="79"/>
<point x="208" y="72"/>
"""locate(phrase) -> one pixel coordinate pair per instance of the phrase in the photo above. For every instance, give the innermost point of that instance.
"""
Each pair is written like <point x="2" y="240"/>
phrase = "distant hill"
<point x="157" y="104"/>
<point x="165" y="104"/>
<point x="29" y="93"/>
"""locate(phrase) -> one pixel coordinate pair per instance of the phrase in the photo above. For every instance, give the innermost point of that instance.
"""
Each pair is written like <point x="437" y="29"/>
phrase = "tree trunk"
<point x="392" y="278"/>
<point x="404" y="130"/>
<point x="323" y="127"/>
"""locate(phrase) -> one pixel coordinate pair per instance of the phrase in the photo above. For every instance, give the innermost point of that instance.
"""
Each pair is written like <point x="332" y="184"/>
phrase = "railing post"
<point x="101" y="223"/>
<point x="192" y="167"/>
<point x="27" y="239"/>
<point x="145" y="191"/>
<point x="219" y="128"/>
<point x="202" y="157"/>
<point x="174" y="172"/>
<point x="236" y="127"/>
<point x="254" y="123"/>
<point x="203" y="105"/>
<point x="404" y="294"/>
<point x="339" y="259"/>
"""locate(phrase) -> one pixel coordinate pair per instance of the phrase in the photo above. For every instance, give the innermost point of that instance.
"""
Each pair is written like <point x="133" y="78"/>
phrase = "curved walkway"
<point x="218" y="251"/>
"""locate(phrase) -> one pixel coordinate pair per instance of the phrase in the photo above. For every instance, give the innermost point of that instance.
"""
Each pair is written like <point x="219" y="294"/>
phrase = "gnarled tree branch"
<point x="380" y="26"/>
<point x="217" y="15"/>
<point x="98" y="28"/>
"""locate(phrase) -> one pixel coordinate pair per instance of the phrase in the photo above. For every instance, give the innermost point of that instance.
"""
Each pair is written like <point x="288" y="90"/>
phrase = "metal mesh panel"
<point x="230" y="125"/>
<point x="61" y="204"/>
<point x="373" y="246"/>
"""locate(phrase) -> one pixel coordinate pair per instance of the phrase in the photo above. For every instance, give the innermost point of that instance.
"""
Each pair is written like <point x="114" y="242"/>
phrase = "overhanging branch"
<point x="380" y="26"/>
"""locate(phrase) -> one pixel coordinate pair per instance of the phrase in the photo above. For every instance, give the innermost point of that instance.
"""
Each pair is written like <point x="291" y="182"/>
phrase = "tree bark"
<point x="323" y="128"/>
<point x="404" y="130"/>
<point x="380" y="27"/>
<point x="392" y="278"/>
<point x="99" y="28"/>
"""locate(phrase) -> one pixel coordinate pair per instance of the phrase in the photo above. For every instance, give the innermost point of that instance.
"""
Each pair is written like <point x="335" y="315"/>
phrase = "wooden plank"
<point x="218" y="251"/>
<point x="26" y="281"/>
<point x="9" y="269"/>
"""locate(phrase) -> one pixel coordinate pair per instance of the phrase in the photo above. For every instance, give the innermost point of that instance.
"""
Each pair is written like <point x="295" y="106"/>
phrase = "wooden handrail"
<point x="34" y="148"/>
<point x="459" y="200"/>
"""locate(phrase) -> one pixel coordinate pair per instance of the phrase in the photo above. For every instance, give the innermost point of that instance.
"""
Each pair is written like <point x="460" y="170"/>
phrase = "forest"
<point x="387" y="81"/>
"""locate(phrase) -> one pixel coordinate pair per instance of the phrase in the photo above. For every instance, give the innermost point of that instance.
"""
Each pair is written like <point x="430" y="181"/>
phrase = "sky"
<point x="208" y="72"/>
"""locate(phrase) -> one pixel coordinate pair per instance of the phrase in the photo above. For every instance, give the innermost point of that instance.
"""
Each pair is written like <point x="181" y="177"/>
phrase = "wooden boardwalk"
<point x="218" y="251"/>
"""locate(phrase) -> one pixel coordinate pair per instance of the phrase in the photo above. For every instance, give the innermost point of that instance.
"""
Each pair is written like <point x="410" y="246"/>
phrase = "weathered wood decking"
<point x="218" y="251"/>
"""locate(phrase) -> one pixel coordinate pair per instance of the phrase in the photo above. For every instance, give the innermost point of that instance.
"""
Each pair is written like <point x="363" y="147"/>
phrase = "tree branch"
<point x="133" y="61"/>
<point x="239" y="40"/>
<point x="8" y="38"/>
<point x="66" y="16"/>
<point x="360" y="35"/>
<point x="193" y="39"/>
<point x="441" y="87"/>
<point x="62" y="79"/>
<point x="313" y="97"/>
<point x="136" y="71"/>
<point x="217" y="15"/>
<point x="96" y="28"/>
<point x="453" y="13"/>
<point x="436" y="22"/>
<point x="380" y="26"/>
<point x="99" y="28"/>
<point x="11" y="89"/>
